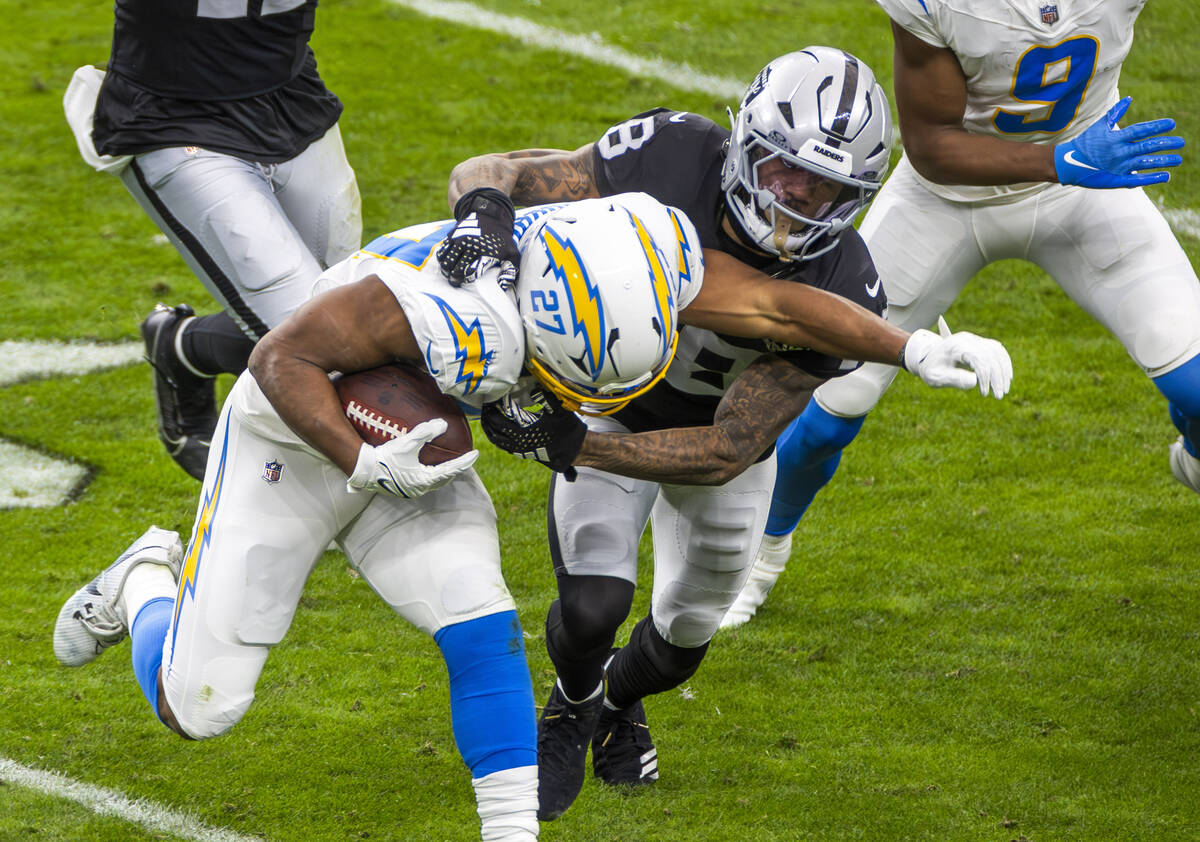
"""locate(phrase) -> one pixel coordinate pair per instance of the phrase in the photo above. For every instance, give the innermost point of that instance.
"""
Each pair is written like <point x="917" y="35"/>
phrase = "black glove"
<point x="484" y="230"/>
<point x="544" y="432"/>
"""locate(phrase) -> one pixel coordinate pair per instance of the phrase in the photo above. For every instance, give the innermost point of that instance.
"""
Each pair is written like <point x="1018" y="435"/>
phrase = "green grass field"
<point x="988" y="630"/>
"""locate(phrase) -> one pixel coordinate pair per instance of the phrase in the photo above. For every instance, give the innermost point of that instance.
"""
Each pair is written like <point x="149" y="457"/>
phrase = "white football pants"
<point x="268" y="510"/>
<point x="256" y="235"/>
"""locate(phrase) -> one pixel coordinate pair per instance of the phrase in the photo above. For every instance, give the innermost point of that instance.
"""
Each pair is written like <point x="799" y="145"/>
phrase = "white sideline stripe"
<point x="586" y="46"/>
<point x="107" y="802"/>
<point x="19" y="359"/>
<point x="1184" y="222"/>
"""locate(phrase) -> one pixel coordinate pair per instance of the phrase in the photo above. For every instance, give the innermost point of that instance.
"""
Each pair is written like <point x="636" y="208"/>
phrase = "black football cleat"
<point x="622" y="752"/>
<point x="187" y="402"/>
<point x="564" y="731"/>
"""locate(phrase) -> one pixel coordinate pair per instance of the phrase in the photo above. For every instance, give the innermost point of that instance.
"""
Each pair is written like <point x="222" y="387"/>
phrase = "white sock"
<point x="599" y="689"/>
<point x="146" y="581"/>
<point x="507" y="802"/>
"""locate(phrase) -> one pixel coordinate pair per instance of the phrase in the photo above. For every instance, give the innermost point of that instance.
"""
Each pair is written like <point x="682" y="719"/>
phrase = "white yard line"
<point x="20" y="359"/>
<point x="108" y="802"/>
<point x="586" y="46"/>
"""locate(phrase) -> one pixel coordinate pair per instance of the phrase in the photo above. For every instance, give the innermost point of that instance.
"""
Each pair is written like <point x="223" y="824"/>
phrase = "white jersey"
<point x="472" y="336"/>
<point x="1039" y="71"/>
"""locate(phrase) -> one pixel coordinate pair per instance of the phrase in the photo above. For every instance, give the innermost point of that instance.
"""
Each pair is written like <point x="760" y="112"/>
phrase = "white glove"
<point x="961" y="360"/>
<point x="394" y="468"/>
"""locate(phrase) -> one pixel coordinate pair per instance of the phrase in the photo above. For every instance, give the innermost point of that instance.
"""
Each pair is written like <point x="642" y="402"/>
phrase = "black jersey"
<point x="676" y="157"/>
<point x="233" y="76"/>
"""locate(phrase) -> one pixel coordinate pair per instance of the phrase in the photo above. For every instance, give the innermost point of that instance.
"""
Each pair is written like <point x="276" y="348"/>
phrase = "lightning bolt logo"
<point x="660" y="282"/>
<point x="685" y="249"/>
<point x="587" y="311"/>
<point x="469" y="350"/>
<point x="201" y="536"/>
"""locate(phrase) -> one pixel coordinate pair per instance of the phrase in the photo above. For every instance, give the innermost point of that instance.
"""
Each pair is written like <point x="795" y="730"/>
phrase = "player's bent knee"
<point x="592" y="608"/>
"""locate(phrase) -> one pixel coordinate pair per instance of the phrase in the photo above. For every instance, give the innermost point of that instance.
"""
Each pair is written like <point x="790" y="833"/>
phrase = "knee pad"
<point x="491" y="695"/>
<point x="588" y="612"/>
<point x="648" y="664"/>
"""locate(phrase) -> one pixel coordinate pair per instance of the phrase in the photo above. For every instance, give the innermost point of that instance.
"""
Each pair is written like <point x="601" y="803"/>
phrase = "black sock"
<point x="648" y="664"/>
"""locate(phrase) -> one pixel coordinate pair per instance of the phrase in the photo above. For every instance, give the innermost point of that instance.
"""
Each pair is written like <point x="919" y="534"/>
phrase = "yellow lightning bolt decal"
<point x="473" y="358"/>
<point x="201" y="536"/>
<point x="587" y="311"/>
<point x="660" y="282"/>
<point x="685" y="248"/>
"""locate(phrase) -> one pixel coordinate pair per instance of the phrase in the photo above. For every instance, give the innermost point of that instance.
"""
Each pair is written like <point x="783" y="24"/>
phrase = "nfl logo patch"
<point x="272" y="471"/>
<point x="1049" y="13"/>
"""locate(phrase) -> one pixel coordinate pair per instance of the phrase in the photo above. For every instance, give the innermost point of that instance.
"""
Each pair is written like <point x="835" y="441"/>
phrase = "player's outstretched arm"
<point x="738" y="300"/>
<point x="350" y="328"/>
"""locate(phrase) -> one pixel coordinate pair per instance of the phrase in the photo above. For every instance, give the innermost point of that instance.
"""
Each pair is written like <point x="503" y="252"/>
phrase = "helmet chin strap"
<point x="783" y="227"/>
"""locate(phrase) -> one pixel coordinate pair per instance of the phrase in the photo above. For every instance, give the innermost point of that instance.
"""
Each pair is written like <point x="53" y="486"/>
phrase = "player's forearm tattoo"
<point x="561" y="179"/>
<point x="753" y="412"/>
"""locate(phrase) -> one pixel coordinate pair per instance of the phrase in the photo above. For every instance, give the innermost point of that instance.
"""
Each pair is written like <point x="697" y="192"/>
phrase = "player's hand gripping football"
<point x="538" y="429"/>
<point x="395" y="467"/>
<point x="1107" y="156"/>
<point x="962" y="360"/>
<point x="482" y="237"/>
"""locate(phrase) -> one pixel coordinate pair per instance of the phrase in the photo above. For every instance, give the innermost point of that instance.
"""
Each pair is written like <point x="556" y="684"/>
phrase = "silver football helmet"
<point x="597" y="295"/>
<point x="808" y="152"/>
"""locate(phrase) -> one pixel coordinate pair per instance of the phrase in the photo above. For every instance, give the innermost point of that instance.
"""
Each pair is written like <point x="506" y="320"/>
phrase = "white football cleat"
<point x="94" y="618"/>
<point x="1185" y="466"/>
<point x="768" y="564"/>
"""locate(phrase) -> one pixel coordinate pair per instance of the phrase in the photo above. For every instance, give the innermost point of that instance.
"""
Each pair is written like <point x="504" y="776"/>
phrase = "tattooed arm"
<point x="754" y="411"/>
<point x="529" y="176"/>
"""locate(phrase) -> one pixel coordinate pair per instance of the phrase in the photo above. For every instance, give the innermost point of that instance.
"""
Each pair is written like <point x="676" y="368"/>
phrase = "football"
<point x="381" y="403"/>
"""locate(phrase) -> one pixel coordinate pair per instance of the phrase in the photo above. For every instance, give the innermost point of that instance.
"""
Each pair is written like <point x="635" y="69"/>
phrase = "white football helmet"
<point x="598" y="298"/>
<point x="808" y="152"/>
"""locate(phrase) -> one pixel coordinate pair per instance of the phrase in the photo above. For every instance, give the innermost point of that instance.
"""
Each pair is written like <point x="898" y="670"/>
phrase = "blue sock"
<point x="147" y="634"/>
<point x="491" y="694"/>
<point x="1182" y="390"/>
<point x="807" y="453"/>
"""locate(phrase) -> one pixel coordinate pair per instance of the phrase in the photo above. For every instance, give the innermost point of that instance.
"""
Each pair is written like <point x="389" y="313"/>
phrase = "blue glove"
<point x="1106" y="156"/>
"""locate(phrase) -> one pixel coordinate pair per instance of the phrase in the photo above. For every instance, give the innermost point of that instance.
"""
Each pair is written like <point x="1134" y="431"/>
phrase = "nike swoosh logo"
<point x="677" y="118"/>
<point x="1075" y="162"/>
<point x="873" y="289"/>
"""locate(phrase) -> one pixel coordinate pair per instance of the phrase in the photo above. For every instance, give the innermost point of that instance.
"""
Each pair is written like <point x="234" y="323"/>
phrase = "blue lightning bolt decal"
<point x="660" y="282"/>
<point x="587" y="311"/>
<point x="469" y="348"/>
<point x="201" y="536"/>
